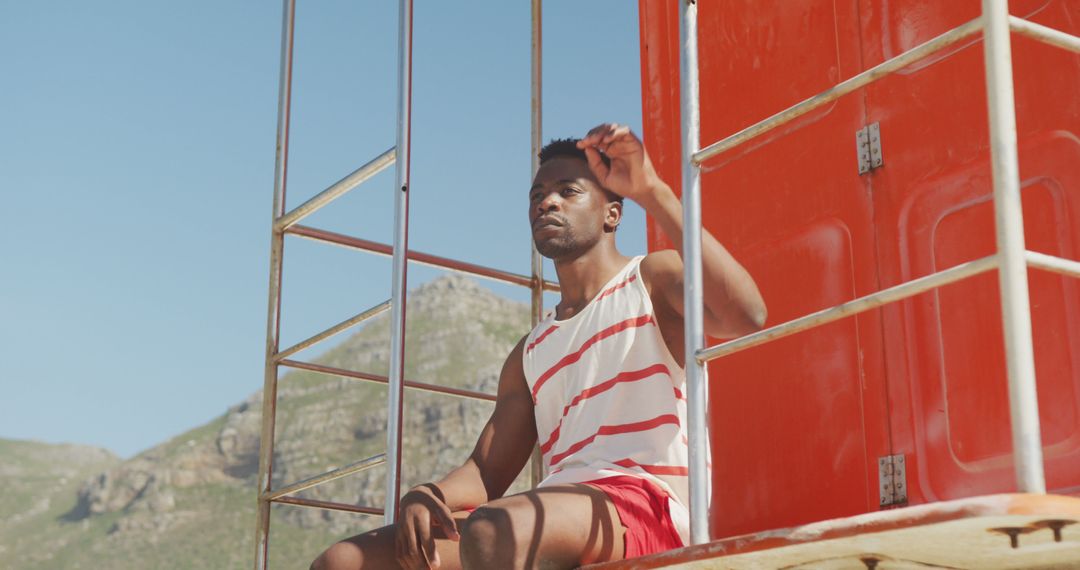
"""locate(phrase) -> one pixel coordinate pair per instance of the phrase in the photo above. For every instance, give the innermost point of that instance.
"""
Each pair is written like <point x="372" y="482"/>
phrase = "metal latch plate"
<point x="868" y="145"/>
<point x="892" y="480"/>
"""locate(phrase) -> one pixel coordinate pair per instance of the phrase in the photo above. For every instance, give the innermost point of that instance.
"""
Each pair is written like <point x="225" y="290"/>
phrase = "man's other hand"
<point x="421" y="509"/>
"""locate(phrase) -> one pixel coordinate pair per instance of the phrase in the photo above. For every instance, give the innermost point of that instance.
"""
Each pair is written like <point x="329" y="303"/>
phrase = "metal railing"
<point x="288" y="224"/>
<point x="1011" y="259"/>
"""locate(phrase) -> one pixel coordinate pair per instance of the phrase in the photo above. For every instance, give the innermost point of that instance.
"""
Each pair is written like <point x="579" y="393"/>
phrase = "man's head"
<point x="568" y="209"/>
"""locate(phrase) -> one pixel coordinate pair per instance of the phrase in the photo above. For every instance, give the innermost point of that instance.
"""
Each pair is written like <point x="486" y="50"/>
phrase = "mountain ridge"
<point x="189" y="502"/>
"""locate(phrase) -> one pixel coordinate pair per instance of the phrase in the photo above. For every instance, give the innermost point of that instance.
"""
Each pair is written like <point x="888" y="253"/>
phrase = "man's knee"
<point x="487" y="539"/>
<point x="341" y="556"/>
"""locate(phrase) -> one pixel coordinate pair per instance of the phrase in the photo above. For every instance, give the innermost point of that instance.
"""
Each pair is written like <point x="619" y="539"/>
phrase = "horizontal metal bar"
<point x="337" y="189"/>
<point x="297" y="501"/>
<point x="1052" y="263"/>
<point x="1044" y="34"/>
<point x="853" y="307"/>
<point x="380" y="379"/>
<point x="840" y="89"/>
<point x="329" y="476"/>
<point x="418" y="257"/>
<point x="343" y="325"/>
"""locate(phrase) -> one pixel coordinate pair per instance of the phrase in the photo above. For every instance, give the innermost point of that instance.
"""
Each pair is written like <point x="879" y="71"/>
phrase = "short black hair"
<point x="568" y="147"/>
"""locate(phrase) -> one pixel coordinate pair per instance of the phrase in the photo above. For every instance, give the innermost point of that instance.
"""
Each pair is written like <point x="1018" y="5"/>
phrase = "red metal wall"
<point x="798" y="425"/>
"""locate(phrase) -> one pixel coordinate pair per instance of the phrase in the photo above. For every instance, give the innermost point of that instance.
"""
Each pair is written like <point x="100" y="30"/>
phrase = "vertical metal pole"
<point x="692" y="299"/>
<point x="399" y="281"/>
<point x="537" y="471"/>
<point x="537" y="144"/>
<point x="273" y="312"/>
<point x="1012" y="271"/>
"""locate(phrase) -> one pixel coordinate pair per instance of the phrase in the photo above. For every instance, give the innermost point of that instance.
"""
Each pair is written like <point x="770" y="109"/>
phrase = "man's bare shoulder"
<point x="512" y="378"/>
<point x="662" y="268"/>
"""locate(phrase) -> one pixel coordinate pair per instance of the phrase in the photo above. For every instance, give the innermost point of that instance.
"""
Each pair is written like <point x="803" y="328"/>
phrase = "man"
<point x="600" y="382"/>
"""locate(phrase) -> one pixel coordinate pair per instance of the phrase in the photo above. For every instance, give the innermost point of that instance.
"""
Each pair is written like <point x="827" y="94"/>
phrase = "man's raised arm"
<point x="733" y="304"/>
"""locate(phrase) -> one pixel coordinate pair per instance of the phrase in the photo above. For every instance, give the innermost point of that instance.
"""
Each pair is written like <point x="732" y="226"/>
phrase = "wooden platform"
<point x="1009" y="531"/>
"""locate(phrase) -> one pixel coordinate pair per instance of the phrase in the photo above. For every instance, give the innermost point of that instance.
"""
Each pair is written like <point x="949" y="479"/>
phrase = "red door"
<point x="933" y="205"/>
<point x="798" y="425"/>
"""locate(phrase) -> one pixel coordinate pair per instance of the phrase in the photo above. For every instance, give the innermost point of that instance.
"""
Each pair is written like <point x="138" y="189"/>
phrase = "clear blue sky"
<point x="136" y="170"/>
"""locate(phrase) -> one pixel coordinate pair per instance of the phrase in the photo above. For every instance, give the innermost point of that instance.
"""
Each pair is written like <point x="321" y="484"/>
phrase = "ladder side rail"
<point x="1012" y="270"/>
<point x="693" y="309"/>
<point x="537" y="143"/>
<point x="273" y="318"/>
<point x="400" y="267"/>
<point x="536" y="461"/>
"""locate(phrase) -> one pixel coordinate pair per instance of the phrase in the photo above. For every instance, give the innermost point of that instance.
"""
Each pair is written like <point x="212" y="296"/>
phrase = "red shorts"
<point x="644" y="512"/>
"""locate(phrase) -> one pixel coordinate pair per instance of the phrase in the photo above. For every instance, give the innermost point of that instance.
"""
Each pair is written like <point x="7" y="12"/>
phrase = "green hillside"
<point x="39" y="482"/>
<point x="189" y="502"/>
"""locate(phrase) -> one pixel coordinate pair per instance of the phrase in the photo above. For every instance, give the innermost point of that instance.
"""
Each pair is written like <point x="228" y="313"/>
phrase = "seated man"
<point x="599" y="381"/>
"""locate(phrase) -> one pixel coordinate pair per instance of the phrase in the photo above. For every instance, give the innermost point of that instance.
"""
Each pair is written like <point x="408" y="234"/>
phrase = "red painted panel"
<point x="797" y="215"/>
<point x="960" y="432"/>
<point x="797" y="425"/>
<point x="933" y="208"/>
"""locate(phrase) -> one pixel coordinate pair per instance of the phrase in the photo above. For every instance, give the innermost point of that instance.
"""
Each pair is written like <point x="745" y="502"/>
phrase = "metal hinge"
<point x="892" y="480"/>
<point x="868" y="143"/>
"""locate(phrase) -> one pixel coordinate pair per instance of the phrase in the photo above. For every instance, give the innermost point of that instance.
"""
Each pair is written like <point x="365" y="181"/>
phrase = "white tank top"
<point x="609" y="396"/>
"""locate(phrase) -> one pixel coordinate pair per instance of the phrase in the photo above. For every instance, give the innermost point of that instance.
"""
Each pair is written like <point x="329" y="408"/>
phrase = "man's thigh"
<point x="376" y="549"/>
<point x="561" y="526"/>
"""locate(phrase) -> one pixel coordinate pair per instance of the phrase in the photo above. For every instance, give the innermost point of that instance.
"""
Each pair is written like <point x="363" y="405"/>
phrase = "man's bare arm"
<point x="733" y="304"/>
<point x="501" y="451"/>
<point x="503" y="447"/>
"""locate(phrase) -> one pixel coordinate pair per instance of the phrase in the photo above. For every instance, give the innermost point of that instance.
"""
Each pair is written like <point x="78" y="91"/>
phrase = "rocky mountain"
<point x="189" y="502"/>
<point x="38" y="484"/>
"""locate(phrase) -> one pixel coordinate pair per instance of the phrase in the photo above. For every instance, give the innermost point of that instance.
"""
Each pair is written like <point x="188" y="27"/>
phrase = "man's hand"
<point x="631" y="173"/>
<point x="733" y="304"/>
<point x="501" y="451"/>
<point x="421" y="508"/>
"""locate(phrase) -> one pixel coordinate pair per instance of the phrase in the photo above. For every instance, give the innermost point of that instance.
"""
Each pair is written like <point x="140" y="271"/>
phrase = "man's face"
<point x="567" y="208"/>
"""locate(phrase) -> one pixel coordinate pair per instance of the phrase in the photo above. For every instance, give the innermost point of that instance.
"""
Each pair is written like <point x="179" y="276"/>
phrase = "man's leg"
<point x="375" y="549"/>
<point x="562" y="526"/>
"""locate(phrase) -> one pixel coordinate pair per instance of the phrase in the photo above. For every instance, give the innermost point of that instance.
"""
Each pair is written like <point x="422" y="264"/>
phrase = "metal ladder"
<point x="287" y="223"/>
<point x="1011" y="260"/>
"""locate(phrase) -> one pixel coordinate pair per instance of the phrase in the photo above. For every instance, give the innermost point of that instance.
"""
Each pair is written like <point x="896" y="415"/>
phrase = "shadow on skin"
<point x="518" y="531"/>
<point x="488" y="539"/>
<point x="534" y="539"/>
<point x="602" y="529"/>
<point x="553" y="527"/>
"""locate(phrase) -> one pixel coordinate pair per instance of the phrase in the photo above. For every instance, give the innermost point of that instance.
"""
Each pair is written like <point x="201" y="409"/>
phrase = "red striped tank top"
<point x="608" y="394"/>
